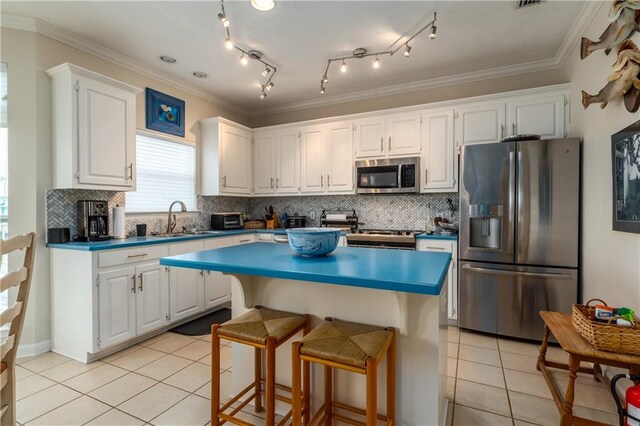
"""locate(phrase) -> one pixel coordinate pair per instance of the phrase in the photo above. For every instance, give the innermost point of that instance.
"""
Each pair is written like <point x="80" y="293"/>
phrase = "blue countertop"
<point x="396" y="270"/>
<point x="437" y="237"/>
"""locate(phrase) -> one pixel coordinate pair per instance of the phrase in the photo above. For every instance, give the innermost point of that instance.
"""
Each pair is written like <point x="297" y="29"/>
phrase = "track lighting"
<point x="432" y="35"/>
<point x="228" y="43"/>
<point x="407" y="51"/>
<point x="223" y="18"/>
<point x="322" y="90"/>
<point x="243" y="59"/>
<point x="269" y="86"/>
<point x="266" y="71"/>
<point x="376" y="63"/>
<point x="325" y="80"/>
<point x="263" y="5"/>
<point x="343" y="67"/>
<point x="263" y="95"/>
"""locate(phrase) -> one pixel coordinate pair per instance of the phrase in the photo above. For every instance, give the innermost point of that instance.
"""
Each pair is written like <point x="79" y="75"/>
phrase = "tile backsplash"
<point x="375" y="211"/>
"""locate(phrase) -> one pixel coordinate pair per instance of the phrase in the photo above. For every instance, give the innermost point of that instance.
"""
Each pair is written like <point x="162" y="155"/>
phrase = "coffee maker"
<point x="93" y="220"/>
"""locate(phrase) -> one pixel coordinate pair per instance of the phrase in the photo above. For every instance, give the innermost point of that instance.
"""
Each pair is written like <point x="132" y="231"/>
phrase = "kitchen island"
<point x="398" y="288"/>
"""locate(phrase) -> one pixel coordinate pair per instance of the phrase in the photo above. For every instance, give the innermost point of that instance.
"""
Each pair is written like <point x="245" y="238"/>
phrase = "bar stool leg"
<point x="372" y="392"/>
<point x="296" y="397"/>
<point x="215" y="375"/>
<point x="257" y="359"/>
<point x="270" y="388"/>
<point x="391" y="380"/>
<point x="306" y="378"/>
<point x="328" y="395"/>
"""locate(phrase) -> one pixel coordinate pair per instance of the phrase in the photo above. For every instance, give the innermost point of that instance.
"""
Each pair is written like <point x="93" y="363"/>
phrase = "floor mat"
<point x="201" y="326"/>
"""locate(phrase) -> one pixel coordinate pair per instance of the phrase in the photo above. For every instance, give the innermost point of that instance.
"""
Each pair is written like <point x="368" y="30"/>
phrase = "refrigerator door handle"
<point x="511" y="214"/>
<point x="518" y="273"/>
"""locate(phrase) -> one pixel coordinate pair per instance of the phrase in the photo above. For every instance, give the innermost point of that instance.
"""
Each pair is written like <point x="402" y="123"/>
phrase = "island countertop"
<point x="395" y="270"/>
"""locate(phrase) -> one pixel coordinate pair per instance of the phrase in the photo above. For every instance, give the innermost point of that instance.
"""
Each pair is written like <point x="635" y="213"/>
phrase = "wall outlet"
<point x="312" y="215"/>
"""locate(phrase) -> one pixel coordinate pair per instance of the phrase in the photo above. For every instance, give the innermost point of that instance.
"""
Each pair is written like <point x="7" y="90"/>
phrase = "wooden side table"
<point x="559" y="324"/>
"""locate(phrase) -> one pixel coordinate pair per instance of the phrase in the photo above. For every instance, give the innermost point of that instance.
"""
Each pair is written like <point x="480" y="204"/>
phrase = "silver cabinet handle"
<point x="224" y="181"/>
<point x="201" y="273"/>
<point x="328" y="181"/>
<point x="133" y="256"/>
<point x="277" y="182"/>
<point x="299" y="188"/>
<point x="140" y="284"/>
<point x="517" y="273"/>
<point x="133" y="283"/>
<point x="321" y="181"/>
<point x="514" y="127"/>
<point x="381" y="144"/>
<point x="426" y="176"/>
<point x="130" y="171"/>
<point x="208" y="272"/>
<point x="271" y="183"/>
<point x="389" y="143"/>
<point x="502" y="131"/>
<point x="435" y="248"/>
<point x="244" y="241"/>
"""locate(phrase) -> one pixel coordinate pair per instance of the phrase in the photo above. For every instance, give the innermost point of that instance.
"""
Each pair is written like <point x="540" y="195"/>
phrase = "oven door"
<point x="378" y="179"/>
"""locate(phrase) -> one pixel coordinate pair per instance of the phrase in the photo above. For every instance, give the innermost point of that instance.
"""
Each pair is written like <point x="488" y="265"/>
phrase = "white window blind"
<point x="165" y="172"/>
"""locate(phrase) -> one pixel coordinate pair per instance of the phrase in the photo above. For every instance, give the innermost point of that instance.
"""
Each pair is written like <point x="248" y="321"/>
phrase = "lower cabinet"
<point x="152" y="297"/>
<point x="217" y="286"/>
<point x="452" y="277"/>
<point x="116" y="306"/>
<point x="186" y="289"/>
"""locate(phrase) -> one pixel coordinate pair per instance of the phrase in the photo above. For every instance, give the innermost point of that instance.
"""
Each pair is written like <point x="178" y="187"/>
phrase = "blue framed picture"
<point x="164" y="113"/>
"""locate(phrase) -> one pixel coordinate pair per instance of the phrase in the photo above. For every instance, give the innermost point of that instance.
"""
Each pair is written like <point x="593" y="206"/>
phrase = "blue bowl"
<point x="313" y="241"/>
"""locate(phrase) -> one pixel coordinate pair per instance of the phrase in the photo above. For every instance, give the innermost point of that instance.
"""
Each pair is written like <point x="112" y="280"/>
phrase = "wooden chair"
<point x="349" y="346"/>
<point x="20" y="278"/>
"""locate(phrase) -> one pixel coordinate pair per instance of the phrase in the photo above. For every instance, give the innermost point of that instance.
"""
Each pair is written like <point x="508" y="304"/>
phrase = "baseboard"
<point x="34" y="348"/>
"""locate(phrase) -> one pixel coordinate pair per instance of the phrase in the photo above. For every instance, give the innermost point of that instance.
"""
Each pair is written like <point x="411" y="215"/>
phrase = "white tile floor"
<point x="166" y="381"/>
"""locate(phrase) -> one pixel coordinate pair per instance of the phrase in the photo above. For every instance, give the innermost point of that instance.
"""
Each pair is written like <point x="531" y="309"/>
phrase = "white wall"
<point x="610" y="259"/>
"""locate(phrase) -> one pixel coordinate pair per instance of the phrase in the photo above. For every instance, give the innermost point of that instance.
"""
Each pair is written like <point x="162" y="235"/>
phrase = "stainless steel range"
<point x="383" y="238"/>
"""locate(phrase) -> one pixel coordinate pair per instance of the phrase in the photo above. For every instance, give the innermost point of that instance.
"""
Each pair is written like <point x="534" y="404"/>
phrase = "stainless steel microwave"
<point x="390" y="175"/>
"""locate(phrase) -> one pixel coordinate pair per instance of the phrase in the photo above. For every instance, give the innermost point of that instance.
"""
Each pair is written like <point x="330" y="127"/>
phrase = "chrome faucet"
<point x="172" y="224"/>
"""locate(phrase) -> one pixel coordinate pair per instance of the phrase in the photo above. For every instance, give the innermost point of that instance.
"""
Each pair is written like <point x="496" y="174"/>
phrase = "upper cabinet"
<point x="480" y="123"/>
<point x="226" y="158"/>
<point x="276" y="165"/>
<point x="313" y="149"/>
<point x="544" y="116"/>
<point x="392" y="135"/>
<point x="439" y="160"/>
<point x="94" y="130"/>
<point x="264" y="164"/>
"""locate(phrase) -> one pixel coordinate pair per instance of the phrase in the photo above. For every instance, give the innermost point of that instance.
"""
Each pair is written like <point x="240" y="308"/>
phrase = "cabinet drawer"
<point x="214" y="243"/>
<point x="182" y="248"/>
<point x="264" y="237"/>
<point x="244" y="239"/>
<point x="435" y="245"/>
<point x="136" y="254"/>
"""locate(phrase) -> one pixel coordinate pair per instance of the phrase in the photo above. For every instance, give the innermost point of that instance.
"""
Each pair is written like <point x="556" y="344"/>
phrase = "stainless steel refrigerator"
<point x="519" y="234"/>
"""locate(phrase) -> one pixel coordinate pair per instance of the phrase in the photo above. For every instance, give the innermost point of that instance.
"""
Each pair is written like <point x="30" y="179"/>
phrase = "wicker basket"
<point x="604" y="336"/>
<point x="254" y="224"/>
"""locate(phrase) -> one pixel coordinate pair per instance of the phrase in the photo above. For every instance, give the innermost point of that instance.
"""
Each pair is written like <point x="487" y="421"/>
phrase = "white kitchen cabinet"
<point x="264" y="237"/>
<point x="452" y="276"/>
<point x="244" y="239"/>
<point x="116" y="306"/>
<point x="439" y="159"/>
<point x="391" y="135"/>
<point x="186" y="286"/>
<point x="152" y="297"/>
<point x="538" y="115"/>
<point x="94" y="130"/>
<point x="287" y="162"/>
<point x="226" y="158"/>
<point x="403" y="134"/>
<point x="339" y="155"/>
<point x="217" y="286"/>
<point x="313" y="159"/>
<point x="480" y="123"/>
<point x="264" y="163"/>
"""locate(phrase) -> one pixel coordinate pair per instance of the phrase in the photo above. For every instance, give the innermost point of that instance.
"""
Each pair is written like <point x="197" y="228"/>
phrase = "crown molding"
<point x="586" y="15"/>
<point x="71" y="39"/>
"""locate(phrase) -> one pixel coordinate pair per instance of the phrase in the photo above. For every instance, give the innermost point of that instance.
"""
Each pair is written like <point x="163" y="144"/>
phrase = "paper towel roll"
<point x="336" y="217"/>
<point x="118" y="223"/>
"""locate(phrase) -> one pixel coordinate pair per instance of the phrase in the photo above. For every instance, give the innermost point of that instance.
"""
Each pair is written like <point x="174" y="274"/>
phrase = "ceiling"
<point x="299" y="36"/>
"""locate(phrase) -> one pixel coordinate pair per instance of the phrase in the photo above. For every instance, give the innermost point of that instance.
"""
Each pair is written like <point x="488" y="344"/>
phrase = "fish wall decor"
<point x="625" y="19"/>
<point x="622" y="82"/>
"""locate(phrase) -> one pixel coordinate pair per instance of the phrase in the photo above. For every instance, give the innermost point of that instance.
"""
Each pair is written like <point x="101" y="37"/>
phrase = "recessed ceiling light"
<point x="200" y="74"/>
<point x="263" y="5"/>
<point x="168" y="59"/>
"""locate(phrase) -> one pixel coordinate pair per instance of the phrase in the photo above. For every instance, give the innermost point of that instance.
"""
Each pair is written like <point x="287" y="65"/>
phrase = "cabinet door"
<point x="483" y="123"/>
<point x="217" y="286"/>
<point x="369" y="138"/>
<point x="542" y="116"/>
<point x="264" y="159"/>
<point x="106" y="135"/>
<point x="288" y="161"/>
<point x="403" y="134"/>
<point x="340" y="157"/>
<point x="152" y="297"/>
<point x="452" y="274"/>
<point x="439" y="152"/>
<point x="116" y="306"/>
<point x="235" y="160"/>
<point x="313" y="150"/>
<point x="186" y="292"/>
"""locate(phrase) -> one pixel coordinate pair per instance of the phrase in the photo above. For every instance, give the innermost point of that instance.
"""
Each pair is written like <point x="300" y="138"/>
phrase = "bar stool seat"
<point x="350" y="346"/>
<point x="264" y="329"/>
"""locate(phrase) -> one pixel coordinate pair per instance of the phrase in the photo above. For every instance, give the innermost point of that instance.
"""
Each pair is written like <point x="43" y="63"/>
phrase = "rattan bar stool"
<point x="264" y="329"/>
<point x="350" y="346"/>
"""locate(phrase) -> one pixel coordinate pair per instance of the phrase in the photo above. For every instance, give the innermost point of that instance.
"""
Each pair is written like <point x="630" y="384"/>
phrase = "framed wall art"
<point x="625" y="153"/>
<point x="164" y="113"/>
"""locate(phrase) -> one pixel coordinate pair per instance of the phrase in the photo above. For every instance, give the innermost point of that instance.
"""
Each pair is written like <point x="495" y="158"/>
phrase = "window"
<point x="166" y="171"/>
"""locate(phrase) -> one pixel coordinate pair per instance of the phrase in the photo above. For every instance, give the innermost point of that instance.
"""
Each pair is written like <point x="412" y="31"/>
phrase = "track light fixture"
<point x="361" y="52"/>
<point x="246" y="54"/>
